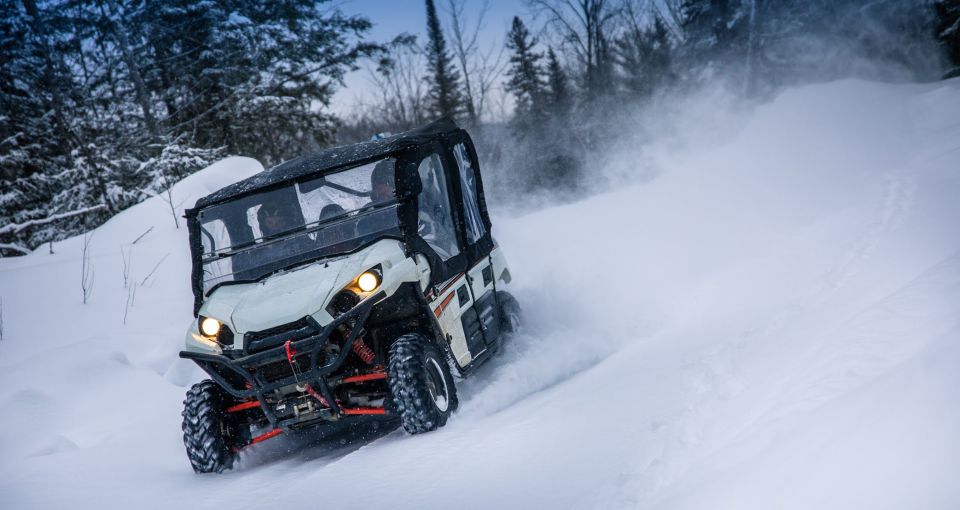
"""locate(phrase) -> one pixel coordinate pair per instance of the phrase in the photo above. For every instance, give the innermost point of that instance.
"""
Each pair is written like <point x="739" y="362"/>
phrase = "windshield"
<point x="256" y="235"/>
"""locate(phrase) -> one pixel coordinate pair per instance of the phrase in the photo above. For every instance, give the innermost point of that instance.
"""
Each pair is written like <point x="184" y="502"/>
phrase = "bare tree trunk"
<point x="463" y="48"/>
<point x="131" y="296"/>
<point x="86" y="268"/>
<point x="480" y="69"/>
<point x="126" y="257"/>
<point x="168" y="198"/>
<point x="751" y="42"/>
<point x="585" y="25"/>
<point x="401" y="91"/>
<point x="143" y="98"/>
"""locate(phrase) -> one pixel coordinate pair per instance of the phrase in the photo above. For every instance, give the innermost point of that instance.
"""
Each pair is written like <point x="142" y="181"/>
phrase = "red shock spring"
<point x="361" y="349"/>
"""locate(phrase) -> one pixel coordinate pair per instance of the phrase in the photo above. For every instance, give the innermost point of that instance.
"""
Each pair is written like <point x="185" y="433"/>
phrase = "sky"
<point x="391" y="18"/>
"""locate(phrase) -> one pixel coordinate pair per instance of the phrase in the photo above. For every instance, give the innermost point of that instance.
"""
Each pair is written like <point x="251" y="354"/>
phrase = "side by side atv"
<point x="342" y="287"/>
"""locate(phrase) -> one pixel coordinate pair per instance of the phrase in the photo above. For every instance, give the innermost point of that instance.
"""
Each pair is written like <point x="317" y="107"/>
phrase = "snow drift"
<point x="771" y="322"/>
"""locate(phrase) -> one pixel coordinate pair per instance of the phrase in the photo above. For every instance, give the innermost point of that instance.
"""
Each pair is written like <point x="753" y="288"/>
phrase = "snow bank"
<point x="75" y="377"/>
<point x="769" y="323"/>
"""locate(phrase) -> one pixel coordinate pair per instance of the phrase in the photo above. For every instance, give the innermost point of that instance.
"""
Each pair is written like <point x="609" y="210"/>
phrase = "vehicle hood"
<point x="288" y="296"/>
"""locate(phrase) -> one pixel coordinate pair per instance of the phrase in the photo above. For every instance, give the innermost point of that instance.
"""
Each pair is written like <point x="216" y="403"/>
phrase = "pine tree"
<point x="446" y="99"/>
<point x="23" y="118"/>
<point x="645" y="59"/>
<point x="599" y="79"/>
<point x="557" y="139"/>
<point x="541" y="123"/>
<point x="586" y="29"/>
<point x="559" y="97"/>
<point x="525" y="72"/>
<point x="948" y="34"/>
<point x="660" y="55"/>
<point x="713" y="31"/>
<point x="251" y="74"/>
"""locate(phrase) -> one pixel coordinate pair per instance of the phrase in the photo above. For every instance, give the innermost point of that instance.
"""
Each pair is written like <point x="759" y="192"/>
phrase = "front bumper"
<point x="242" y="377"/>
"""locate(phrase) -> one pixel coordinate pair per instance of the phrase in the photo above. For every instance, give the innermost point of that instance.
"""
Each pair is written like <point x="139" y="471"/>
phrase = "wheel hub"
<point x="437" y="384"/>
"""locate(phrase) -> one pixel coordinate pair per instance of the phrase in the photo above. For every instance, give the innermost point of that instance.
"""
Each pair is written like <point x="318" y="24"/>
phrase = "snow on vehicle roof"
<point x="326" y="160"/>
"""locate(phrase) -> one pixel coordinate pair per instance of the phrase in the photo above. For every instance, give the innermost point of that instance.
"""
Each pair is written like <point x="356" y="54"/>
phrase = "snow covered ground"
<point x="771" y="322"/>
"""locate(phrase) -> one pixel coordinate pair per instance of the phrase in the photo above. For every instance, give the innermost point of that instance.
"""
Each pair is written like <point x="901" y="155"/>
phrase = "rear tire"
<point x="211" y="436"/>
<point x="510" y="313"/>
<point x="421" y="388"/>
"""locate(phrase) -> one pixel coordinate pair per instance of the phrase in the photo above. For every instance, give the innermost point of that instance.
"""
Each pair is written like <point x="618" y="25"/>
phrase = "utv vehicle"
<point x="342" y="287"/>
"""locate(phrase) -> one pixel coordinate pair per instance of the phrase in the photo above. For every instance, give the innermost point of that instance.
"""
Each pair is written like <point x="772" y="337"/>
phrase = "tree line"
<point x="581" y="75"/>
<point x="588" y="72"/>
<point x="104" y="103"/>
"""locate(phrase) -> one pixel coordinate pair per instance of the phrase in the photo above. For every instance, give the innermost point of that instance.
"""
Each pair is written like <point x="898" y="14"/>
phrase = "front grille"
<point x="276" y="370"/>
<point x="256" y="341"/>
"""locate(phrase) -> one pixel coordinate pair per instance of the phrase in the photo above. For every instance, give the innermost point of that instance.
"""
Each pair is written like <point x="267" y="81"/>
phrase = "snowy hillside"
<point x="771" y="322"/>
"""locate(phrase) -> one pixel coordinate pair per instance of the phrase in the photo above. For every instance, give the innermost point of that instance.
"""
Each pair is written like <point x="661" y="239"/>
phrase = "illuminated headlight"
<point x="357" y="290"/>
<point x="368" y="281"/>
<point x="209" y="326"/>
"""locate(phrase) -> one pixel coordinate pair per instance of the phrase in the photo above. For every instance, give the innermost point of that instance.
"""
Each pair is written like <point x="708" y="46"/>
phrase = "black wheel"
<point x="211" y="436"/>
<point x="421" y="387"/>
<point x="510" y="313"/>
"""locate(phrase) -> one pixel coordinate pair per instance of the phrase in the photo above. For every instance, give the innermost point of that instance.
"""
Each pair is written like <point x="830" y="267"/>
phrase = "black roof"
<point x="328" y="160"/>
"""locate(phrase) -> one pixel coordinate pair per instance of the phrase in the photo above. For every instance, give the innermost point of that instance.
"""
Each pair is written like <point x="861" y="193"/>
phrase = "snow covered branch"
<point x="13" y="228"/>
<point x="168" y="198"/>
<point x="14" y="247"/>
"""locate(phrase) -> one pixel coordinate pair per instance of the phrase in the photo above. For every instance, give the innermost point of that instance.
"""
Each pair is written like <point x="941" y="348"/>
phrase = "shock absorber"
<point x="361" y="349"/>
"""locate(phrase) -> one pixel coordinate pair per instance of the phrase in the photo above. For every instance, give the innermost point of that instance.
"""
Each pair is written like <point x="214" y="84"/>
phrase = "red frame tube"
<point x="243" y="406"/>
<point x="266" y="435"/>
<point x="363" y="410"/>
<point x="364" y="377"/>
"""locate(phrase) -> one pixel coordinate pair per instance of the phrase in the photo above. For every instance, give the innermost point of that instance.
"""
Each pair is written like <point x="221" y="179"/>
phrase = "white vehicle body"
<point x="307" y="291"/>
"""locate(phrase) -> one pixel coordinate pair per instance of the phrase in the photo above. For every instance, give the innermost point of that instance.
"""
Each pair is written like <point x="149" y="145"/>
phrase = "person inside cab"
<point x="275" y="219"/>
<point x="382" y="189"/>
<point x="382" y="183"/>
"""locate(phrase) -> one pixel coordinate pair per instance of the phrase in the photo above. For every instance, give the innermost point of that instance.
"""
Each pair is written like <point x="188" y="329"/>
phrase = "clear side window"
<point x="215" y="239"/>
<point x="468" y="187"/>
<point x="435" y="223"/>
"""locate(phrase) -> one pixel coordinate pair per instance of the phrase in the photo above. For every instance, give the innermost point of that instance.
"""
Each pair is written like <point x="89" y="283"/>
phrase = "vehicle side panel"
<point x="500" y="270"/>
<point x="480" y="277"/>
<point x="473" y="327"/>
<point x="446" y="307"/>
